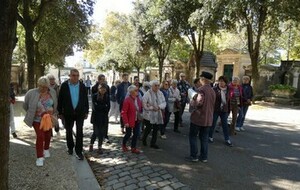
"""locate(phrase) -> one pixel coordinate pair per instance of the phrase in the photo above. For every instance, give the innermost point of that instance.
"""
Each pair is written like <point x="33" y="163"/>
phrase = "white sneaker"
<point x="163" y="137"/>
<point x="46" y="154"/>
<point x="39" y="162"/>
<point x="210" y="139"/>
<point x="237" y="129"/>
<point x="243" y="129"/>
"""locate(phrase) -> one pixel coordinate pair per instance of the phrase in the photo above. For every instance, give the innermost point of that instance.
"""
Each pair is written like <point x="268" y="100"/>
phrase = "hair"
<point x="224" y="78"/>
<point x="146" y="84"/>
<point x="124" y="75"/>
<point x="43" y="81"/>
<point x="100" y="76"/>
<point x="196" y="80"/>
<point x="174" y="81"/>
<point x="154" y="82"/>
<point x="102" y="85"/>
<point x="235" y="78"/>
<point x="50" y="76"/>
<point x="131" y="88"/>
<point x="181" y="74"/>
<point x="117" y="81"/>
<point x="74" y="71"/>
<point x="246" y="77"/>
<point x="135" y="77"/>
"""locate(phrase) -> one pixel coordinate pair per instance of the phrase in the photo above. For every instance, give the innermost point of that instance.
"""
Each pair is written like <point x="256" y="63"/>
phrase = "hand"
<point x="126" y="125"/>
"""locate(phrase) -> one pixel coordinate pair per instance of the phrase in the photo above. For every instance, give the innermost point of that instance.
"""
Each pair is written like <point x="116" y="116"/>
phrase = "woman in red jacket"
<point x="131" y="115"/>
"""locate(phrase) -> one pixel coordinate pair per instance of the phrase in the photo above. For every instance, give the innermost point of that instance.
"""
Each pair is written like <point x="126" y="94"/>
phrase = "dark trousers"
<point x="98" y="132"/>
<point x="166" y="121"/>
<point x="69" y="123"/>
<point x="121" y="120"/>
<point x="88" y="90"/>
<point x="148" y="129"/>
<point x="129" y="130"/>
<point x="176" y="122"/>
<point x="181" y="111"/>
<point x="202" y="132"/>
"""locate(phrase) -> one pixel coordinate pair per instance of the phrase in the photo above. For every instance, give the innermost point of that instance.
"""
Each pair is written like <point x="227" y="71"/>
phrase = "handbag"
<point x="177" y="104"/>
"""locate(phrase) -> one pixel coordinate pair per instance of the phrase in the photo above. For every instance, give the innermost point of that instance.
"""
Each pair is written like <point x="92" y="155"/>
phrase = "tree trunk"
<point x="138" y="69"/>
<point x="160" y="68"/>
<point x="8" y="23"/>
<point x="29" y="42"/>
<point x="198" y="56"/>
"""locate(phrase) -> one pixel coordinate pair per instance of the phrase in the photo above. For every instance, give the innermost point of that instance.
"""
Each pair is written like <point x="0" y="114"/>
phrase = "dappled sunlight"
<point x="284" y="184"/>
<point x="277" y="161"/>
<point x="19" y="141"/>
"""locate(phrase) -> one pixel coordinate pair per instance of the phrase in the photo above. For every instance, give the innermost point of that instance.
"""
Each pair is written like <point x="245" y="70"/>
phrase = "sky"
<point x="101" y="9"/>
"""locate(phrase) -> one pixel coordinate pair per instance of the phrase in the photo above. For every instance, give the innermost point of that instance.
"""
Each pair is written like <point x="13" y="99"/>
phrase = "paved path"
<point x="266" y="156"/>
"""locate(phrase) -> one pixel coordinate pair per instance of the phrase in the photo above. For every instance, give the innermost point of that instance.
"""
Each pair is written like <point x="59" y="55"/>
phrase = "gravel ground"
<point x="57" y="173"/>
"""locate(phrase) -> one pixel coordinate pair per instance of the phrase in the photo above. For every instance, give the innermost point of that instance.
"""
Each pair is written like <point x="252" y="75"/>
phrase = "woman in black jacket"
<point x="99" y="119"/>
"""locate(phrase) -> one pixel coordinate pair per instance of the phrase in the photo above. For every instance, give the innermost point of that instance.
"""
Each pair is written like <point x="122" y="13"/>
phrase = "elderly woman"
<point x="174" y="103"/>
<point x="153" y="104"/>
<point x="221" y="109"/>
<point x="99" y="119"/>
<point x="40" y="103"/>
<point x="132" y="116"/>
<point x="235" y="100"/>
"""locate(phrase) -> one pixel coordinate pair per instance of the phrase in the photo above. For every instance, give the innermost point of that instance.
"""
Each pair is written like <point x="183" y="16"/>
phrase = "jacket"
<point x="100" y="111"/>
<point x="65" y="102"/>
<point x="204" y="105"/>
<point x="218" y="108"/>
<point x="121" y="92"/>
<point x="247" y="92"/>
<point x="31" y="101"/>
<point x="231" y="93"/>
<point x="128" y="112"/>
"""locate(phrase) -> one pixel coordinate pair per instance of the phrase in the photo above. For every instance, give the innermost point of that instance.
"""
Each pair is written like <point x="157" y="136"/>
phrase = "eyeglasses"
<point x="75" y="75"/>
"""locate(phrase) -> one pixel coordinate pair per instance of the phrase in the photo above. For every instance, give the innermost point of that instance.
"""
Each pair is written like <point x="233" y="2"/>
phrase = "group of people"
<point x="142" y="107"/>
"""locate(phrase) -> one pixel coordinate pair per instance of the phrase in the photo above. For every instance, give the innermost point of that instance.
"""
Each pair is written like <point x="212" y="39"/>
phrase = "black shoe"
<point x="176" y="131"/>
<point x="229" y="143"/>
<point x="80" y="156"/>
<point x="70" y="151"/>
<point x="14" y="135"/>
<point x="107" y="141"/>
<point x="154" y="146"/>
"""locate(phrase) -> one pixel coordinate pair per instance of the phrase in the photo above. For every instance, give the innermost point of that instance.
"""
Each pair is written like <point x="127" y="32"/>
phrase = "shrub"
<point x="282" y="87"/>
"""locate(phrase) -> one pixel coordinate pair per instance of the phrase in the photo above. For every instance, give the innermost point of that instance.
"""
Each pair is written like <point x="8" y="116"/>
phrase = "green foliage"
<point x="282" y="88"/>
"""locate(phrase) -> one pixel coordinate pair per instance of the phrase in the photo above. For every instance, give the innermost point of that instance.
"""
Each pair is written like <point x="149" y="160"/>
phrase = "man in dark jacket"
<point x="73" y="107"/>
<point x="121" y="94"/>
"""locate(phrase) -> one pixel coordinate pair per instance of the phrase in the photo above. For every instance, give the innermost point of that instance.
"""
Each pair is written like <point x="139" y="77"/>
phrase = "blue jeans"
<point x="242" y="115"/>
<point x="224" y="122"/>
<point x="203" y="136"/>
<point x="129" y="130"/>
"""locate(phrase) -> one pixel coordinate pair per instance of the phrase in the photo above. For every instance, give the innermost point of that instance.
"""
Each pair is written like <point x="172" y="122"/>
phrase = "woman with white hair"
<point x="235" y="101"/>
<point x="174" y="103"/>
<point x="132" y="116"/>
<point x="153" y="104"/>
<point x="40" y="103"/>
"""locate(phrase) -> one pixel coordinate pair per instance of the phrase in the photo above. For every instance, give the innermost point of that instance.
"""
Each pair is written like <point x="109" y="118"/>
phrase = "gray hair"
<point x="43" y="81"/>
<point x="154" y="82"/>
<point x="131" y="88"/>
<point x="174" y="81"/>
<point x="50" y="76"/>
<point x="146" y="84"/>
<point x="235" y="78"/>
<point x="246" y="77"/>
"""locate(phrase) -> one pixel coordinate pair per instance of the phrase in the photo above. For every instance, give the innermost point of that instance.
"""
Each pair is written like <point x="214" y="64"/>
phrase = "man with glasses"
<point x="183" y="87"/>
<point x="73" y="106"/>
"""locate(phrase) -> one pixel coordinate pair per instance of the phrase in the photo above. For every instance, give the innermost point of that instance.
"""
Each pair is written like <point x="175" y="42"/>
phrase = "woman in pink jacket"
<point x="131" y="115"/>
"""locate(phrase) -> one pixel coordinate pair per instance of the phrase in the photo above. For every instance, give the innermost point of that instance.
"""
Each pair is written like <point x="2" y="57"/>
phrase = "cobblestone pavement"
<point x="118" y="170"/>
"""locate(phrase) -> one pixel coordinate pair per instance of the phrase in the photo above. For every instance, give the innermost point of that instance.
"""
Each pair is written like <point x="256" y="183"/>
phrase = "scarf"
<point x="223" y="97"/>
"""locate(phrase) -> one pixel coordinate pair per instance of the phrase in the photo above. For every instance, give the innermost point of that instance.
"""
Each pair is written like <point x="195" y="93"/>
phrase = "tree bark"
<point x="8" y="23"/>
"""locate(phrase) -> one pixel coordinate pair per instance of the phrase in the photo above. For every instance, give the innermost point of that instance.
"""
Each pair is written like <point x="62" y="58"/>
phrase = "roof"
<point x="208" y="59"/>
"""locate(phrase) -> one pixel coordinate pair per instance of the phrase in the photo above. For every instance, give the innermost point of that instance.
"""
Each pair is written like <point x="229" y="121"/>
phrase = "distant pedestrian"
<point x="145" y="87"/>
<point x="12" y="100"/>
<point x="197" y="84"/>
<point x="246" y="102"/>
<point x="183" y="87"/>
<point x="99" y="119"/>
<point x="121" y="94"/>
<point x="55" y="87"/>
<point x="153" y="106"/>
<point x="235" y="100"/>
<point x="174" y="103"/>
<point x="73" y="106"/>
<point x="201" y="118"/>
<point x="40" y="104"/>
<point x="88" y="85"/>
<point x="102" y="81"/>
<point x="221" y="109"/>
<point x="132" y="116"/>
<point x="114" y="106"/>
<point x="165" y="90"/>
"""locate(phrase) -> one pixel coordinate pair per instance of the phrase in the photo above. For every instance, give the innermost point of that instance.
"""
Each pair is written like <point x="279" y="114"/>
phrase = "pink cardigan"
<point x="129" y="111"/>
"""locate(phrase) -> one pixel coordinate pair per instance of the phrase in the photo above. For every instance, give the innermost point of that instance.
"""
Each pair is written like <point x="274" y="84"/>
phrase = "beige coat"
<point x="31" y="101"/>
